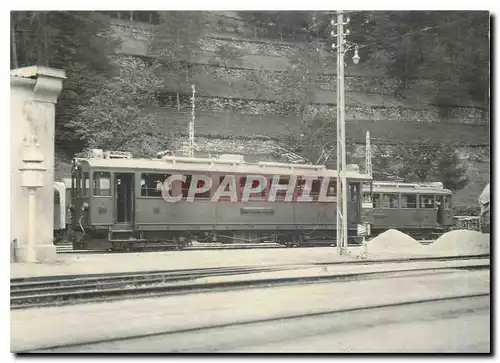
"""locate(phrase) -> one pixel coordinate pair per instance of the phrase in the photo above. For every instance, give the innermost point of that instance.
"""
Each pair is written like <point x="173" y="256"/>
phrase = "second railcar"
<point x="423" y="211"/>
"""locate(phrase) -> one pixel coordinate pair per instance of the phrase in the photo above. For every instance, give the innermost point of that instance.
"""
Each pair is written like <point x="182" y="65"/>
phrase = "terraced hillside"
<point x="229" y="104"/>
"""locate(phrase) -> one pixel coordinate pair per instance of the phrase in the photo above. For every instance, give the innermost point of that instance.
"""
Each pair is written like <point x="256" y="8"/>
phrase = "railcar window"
<point x="152" y="184"/>
<point x="281" y="194"/>
<point x="226" y="189"/>
<point x="367" y="198"/>
<point x="439" y="200"/>
<point x="427" y="201"/>
<point x="315" y="188"/>
<point x="353" y="192"/>
<point x="79" y="183"/>
<point x="205" y="195"/>
<point x="252" y="196"/>
<point x="300" y="186"/>
<point x="377" y="201"/>
<point x="332" y="188"/>
<point x="390" y="200"/>
<point x="185" y="186"/>
<point x="102" y="184"/>
<point x="86" y="184"/>
<point x="367" y="192"/>
<point x="408" y="201"/>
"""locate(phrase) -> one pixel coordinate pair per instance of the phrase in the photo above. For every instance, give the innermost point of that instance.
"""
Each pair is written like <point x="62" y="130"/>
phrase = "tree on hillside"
<point x="115" y="117"/>
<point x="79" y="43"/>
<point x="407" y="163"/>
<point x="459" y="55"/>
<point x="450" y="47"/>
<point x="450" y="169"/>
<point x="176" y="42"/>
<point x="422" y="163"/>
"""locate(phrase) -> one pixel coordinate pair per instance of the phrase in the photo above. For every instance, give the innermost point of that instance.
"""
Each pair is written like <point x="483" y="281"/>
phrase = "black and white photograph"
<point x="250" y="181"/>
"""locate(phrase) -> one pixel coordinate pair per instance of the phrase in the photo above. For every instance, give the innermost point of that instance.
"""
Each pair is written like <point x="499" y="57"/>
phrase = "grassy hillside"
<point x="235" y="124"/>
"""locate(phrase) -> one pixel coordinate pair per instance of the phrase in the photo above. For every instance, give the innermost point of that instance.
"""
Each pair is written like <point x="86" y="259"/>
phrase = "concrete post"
<point x="32" y="179"/>
<point x="34" y="93"/>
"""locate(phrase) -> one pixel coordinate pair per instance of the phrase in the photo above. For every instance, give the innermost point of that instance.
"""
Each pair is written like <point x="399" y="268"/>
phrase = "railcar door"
<point x="367" y="204"/>
<point x="445" y="211"/>
<point x="440" y="209"/>
<point x="76" y="196"/>
<point x="102" y="203"/>
<point x="354" y="203"/>
<point x="124" y="198"/>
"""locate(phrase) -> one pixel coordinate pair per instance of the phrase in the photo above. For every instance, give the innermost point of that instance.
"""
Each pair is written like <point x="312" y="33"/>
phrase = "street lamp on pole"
<point x="191" y="145"/>
<point x="342" y="47"/>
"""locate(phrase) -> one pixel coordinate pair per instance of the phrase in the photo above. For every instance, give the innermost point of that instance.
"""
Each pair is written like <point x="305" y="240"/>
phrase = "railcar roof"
<point x="241" y="168"/>
<point x="413" y="191"/>
<point x="410" y="190"/>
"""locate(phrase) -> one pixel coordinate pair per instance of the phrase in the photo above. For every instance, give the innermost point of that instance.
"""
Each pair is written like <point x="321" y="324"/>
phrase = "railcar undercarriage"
<point x="176" y="240"/>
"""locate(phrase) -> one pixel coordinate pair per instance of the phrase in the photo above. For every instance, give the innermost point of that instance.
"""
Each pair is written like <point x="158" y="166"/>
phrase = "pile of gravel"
<point x="461" y="242"/>
<point x="393" y="241"/>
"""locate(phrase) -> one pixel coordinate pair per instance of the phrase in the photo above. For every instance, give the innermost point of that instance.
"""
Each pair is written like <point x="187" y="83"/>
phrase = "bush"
<point x="466" y="210"/>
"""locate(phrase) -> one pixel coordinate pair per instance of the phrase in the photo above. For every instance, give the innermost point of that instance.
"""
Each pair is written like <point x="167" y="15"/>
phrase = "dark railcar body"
<point x="118" y="202"/>
<point x="423" y="211"/>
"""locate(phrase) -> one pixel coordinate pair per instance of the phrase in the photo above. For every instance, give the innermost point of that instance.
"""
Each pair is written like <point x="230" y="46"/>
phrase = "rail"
<point x="61" y="291"/>
<point x="126" y="340"/>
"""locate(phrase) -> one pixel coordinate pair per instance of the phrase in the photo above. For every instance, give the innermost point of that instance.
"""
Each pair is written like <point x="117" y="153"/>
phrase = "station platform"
<point x="100" y="263"/>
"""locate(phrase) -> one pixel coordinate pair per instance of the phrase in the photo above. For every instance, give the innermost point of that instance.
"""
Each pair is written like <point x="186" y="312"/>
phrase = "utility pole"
<point x="341" y="149"/>
<point x="368" y="155"/>
<point x="342" y="47"/>
<point x="191" y="127"/>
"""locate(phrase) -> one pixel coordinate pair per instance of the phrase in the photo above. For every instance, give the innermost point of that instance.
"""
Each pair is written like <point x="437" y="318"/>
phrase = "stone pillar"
<point x="33" y="95"/>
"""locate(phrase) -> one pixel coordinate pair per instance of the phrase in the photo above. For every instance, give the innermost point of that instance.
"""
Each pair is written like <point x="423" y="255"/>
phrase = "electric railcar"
<point x="118" y="203"/>
<point x="422" y="211"/>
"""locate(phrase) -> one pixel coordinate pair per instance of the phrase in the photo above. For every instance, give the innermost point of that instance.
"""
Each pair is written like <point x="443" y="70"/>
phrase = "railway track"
<point x="129" y="343"/>
<point x="50" y="291"/>
<point x="65" y="249"/>
<point x="69" y="250"/>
